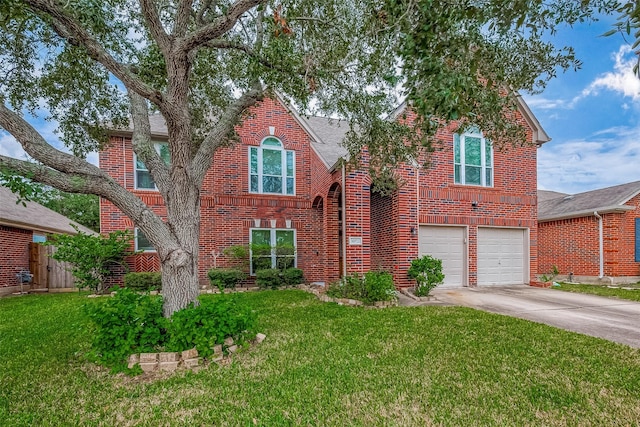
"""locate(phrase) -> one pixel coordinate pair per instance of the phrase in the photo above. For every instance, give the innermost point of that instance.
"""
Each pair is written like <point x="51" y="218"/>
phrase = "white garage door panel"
<point x="447" y="244"/>
<point x="501" y="256"/>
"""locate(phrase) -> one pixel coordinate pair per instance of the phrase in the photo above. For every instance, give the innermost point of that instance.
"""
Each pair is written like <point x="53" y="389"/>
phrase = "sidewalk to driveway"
<point x="612" y="319"/>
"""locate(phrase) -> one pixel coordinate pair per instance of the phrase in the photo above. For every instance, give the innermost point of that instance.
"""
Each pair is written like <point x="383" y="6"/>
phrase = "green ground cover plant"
<point x="371" y="287"/>
<point x="132" y="322"/>
<point x="324" y="364"/>
<point x="632" y="294"/>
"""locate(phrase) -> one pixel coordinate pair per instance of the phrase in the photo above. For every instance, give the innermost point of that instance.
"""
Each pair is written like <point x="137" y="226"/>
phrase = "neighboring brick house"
<point x="593" y="236"/>
<point x="21" y="225"/>
<point x="474" y="207"/>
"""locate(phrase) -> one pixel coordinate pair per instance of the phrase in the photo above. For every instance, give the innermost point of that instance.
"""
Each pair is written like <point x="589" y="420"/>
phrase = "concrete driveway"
<point x="611" y="319"/>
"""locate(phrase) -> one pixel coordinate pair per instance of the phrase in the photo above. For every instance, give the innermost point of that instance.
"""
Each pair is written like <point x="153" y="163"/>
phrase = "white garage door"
<point x="501" y="256"/>
<point x="447" y="244"/>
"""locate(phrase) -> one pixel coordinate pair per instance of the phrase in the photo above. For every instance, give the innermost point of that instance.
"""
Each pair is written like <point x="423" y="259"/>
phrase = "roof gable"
<point x="34" y="216"/>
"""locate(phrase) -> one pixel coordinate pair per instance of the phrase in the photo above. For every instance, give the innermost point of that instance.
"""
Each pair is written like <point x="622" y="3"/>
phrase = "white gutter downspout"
<point x="344" y="220"/>
<point x="600" y="244"/>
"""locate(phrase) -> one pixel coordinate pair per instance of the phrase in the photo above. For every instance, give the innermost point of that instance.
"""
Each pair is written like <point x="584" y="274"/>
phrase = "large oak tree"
<point x="203" y="63"/>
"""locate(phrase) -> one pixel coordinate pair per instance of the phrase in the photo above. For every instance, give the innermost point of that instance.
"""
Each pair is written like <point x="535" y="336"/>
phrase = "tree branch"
<point x="72" y="31"/>
<point x="206" y="5"/>
<point x="225" y="44"/>
<point x="143" y="146"/>
<point x="183" y="15"/>
<point x="151" y="17"/>
<point x="35" y="145"/>
<point x="218" y="27"/>
<point x="219" y="134"/>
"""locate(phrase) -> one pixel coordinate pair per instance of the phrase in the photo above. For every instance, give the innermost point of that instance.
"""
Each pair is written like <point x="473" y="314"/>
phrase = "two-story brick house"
<point x="474" y="207"/>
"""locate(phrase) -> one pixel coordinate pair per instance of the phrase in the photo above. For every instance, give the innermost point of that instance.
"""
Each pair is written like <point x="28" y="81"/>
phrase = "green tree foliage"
<point x="91" y="256"/>
<point x="81" y="208"/>
<point x="202" y="64"/>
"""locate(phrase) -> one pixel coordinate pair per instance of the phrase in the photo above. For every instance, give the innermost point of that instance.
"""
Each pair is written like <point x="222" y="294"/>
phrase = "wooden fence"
<point x="47" y="272"/>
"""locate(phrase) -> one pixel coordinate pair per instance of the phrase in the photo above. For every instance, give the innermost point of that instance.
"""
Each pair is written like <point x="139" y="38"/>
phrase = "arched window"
<point x="272" y="168"/>
<point x="473" y="159"/>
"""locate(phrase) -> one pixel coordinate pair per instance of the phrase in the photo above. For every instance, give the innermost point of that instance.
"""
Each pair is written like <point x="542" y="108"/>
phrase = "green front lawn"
<point x="618" y="292"/>
<point x="324" y="364"/>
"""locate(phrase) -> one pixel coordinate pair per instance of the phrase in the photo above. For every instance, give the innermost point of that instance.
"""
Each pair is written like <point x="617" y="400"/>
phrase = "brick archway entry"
<point x="333" y="232"/>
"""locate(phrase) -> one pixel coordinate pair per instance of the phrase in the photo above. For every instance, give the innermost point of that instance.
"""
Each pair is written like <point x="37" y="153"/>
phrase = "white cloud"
<point x="621" y="80"/>
<point x="609" y="157"/>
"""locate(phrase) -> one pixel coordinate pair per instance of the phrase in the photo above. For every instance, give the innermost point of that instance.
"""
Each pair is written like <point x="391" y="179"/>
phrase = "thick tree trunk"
<point x="180" y="285"/>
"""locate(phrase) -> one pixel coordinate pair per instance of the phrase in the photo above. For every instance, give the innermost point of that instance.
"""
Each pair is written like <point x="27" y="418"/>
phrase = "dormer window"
<point x="271" y="168"/>
<point x="473" y="159"/>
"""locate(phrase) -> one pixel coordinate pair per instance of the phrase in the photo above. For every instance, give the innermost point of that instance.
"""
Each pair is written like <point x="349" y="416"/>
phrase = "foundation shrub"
<point x="226" y="278"/>
<point x="143" y="281"/>
<point x="427" y="272"/>
<point x="371" y="287"/>
<point x="269" y="278"/>
<point x="292" y="276"/>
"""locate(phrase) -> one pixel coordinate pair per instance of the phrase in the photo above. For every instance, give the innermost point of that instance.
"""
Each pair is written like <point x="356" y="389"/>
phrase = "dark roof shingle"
<point x="583" y="204"/>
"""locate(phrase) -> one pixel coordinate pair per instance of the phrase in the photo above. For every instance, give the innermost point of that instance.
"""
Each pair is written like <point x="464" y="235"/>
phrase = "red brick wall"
<point x="510" y="202"/>
<point x="15" y="253"/>
<point x="228" y="209"/>
<point x="573" y="244"/>
<point x="569" y="244"/>
<point x="625" y="235"/>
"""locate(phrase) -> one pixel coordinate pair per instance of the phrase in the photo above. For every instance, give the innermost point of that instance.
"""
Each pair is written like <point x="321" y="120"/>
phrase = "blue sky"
<point x="592" y="116"/>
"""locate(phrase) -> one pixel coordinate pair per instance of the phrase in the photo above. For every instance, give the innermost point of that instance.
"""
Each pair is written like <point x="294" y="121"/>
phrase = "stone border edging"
<point x="345" y="301"/>
<point x="405" y="291"/>
<point x="188" y="359"/>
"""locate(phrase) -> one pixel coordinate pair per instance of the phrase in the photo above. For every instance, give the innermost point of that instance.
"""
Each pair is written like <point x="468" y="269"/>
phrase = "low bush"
<point x="372" y="287"/>
<point x="209" y="323"/>
<point x="226" y="278"/>
<point x="378" y="286"/>
<point x="427" y="272"/>
<point x="144" y="281"/>
<point x="125" y="324"/>
<point x="131" y="322"/>
<point x="268" y="278"/>
<point x="292" y="276"/>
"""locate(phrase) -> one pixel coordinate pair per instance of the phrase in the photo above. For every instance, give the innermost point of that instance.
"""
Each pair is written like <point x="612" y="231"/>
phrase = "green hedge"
<point x="226" y="278"/>
<point x="145" y="281"/>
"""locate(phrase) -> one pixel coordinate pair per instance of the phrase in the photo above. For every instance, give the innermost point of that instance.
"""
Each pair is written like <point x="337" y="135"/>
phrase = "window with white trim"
<point x="473" y="159"/>
<point x="141" y="242"/>
<point x="143" y="179"/>
<point x="272" y="168"/>
<point x="272" y="248"/>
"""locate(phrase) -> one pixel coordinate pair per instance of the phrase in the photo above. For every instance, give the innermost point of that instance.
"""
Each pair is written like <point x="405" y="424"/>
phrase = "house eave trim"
<point x="31" y="227"/>
<point x="588" y="212"/>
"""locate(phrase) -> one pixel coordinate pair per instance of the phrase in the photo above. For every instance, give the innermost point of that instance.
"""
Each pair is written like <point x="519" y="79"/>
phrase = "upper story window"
<point x="143" y="179"/>
<point x="473" y="159"/>
<point x="272" y="168"/>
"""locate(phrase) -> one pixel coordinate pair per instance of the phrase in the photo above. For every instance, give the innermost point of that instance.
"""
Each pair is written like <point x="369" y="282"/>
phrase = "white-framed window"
<point x="143" y="179"/>
<point x="141" y="242"/>
<point x="272" y="248"/>
<point x="272" y="168"/>
<point x="473" y="159"/>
